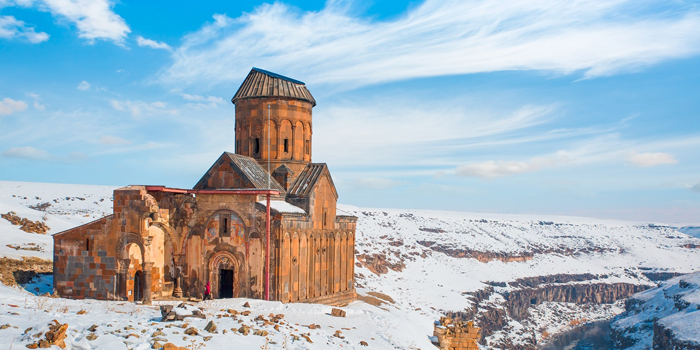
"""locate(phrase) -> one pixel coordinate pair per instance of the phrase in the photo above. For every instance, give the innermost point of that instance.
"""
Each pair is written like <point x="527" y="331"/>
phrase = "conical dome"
<point x="261" y="83"/>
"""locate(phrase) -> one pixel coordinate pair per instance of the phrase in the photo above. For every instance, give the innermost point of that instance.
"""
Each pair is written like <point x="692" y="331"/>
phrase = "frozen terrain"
<point x="664" y="316"/>
<point x="513" y="273"/>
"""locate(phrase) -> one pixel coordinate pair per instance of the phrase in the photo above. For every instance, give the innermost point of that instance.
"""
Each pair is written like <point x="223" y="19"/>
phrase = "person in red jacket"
<point x="207" y="291"/>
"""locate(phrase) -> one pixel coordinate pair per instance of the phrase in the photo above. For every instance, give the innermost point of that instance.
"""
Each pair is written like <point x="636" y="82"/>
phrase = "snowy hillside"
<point x="523" y="278"/>
<point x="666" y="316"/>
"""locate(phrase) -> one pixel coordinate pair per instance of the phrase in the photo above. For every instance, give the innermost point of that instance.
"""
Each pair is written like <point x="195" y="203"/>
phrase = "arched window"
<point x="256" y="147"/>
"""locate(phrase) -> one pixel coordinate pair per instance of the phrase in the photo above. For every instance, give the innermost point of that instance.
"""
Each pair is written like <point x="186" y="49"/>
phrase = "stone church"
<point x="249" y="232"/>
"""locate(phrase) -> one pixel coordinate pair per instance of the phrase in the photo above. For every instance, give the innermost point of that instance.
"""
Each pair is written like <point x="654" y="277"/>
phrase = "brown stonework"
<point x="458" y="335"/>
<point x="162" y="242"/>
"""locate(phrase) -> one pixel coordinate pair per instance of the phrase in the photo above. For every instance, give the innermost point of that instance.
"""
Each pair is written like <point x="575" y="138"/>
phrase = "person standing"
<point x="207" y="291"/>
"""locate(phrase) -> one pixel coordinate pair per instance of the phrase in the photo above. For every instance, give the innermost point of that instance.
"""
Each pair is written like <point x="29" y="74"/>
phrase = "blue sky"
<point x="541" y="106"/>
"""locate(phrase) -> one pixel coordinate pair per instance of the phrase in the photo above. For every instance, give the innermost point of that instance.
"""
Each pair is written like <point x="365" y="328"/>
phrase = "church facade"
<point x="165" y="242"/>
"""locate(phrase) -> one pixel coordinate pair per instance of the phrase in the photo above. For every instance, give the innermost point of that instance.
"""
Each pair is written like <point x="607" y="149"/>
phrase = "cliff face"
<point x="519" y="301"/>
<point x="665" y="317"/>
<point x="505" y="308"/>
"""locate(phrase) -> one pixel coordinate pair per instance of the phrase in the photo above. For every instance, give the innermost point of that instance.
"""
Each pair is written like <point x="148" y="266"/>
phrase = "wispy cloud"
<point x="650" y="159"/>
<point x="94" y="19"/>
<point x="113" y="141"/>
<point x="439" y="38"/>
<point x="141" y="41"/>
<point x="139" y="108"/>
<point x="9" y="106"/>
<point x="202" y="101"/>
<point x="31" y="153"/>
<point x="26" y="152"/>
<point x="83" y="86"/>
<point x="11" y="28"/>
<point x="491" y="169"/>
<point x="405" y="132"/>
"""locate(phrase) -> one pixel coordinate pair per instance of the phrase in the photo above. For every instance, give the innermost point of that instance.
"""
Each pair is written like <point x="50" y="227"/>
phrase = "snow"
<point x="283" y="207"/>
<point x="430" y="284"/>
<point x="674" y="305"/>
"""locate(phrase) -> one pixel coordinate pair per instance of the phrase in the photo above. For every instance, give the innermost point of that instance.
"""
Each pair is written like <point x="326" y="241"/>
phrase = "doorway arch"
<point x="223" y="275"/>
<point x="138" y="285"/>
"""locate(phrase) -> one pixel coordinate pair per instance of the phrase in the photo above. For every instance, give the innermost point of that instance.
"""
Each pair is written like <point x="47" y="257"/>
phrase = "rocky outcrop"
<point x="514" y="305"/>
<point x="27" y="225"/>
<point x="378" y="263"/>
<point x="486" y="256"/>
<point x="665" y="339"/>
<point x="519" y="301"/>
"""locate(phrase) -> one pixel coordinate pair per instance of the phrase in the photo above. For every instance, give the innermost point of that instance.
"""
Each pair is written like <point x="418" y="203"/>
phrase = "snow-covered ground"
<point x="674" y="306"/>
<point x="433" y="262"/>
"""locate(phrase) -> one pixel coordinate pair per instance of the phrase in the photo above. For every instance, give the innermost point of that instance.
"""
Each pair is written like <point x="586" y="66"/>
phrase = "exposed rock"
<point x="156" y="345"/>
<point x="363" y="343"/>
<point x="91" y="336"/>
<point x="308" y="339"/>
<point x="93" y="328"/>
<point x="337" y="312"/>
<point x="207" y="338"/>
<point x="260" y="332"/>
<point x="339" y="334"/>
<point x="244" y="330"/>
<point x="191" y="331"/>
<point x="247" y="304"/>
<point x="56" y="335"/>
<point x="378" y="263"/>
<point x="26" y="224"/>
<point x="211" y="327"/>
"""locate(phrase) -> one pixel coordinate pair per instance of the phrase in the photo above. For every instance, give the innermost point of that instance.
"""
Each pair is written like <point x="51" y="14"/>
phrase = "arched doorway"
<point x="138" y="285"/>
<point x="223" y="275"/>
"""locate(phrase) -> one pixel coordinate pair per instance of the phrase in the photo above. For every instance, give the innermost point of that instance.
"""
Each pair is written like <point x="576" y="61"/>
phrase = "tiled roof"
<point x="247" y="168"/>
<point x="307" y="180"/>
<point x="261" y="83"/>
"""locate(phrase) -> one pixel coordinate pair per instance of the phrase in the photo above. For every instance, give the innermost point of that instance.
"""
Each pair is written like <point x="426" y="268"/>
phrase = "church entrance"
<point x="224" y="274"/>
<point x="138" y="285"/>
<point x="225" y="283"/>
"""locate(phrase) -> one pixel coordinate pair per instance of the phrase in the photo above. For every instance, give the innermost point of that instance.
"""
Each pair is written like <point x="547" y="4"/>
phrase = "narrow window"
<point x="238" y="146"/>
<point x="223" y="227"/>
<point x="323" y="221"/>
<point x="87" y="244"/>
<point x="286" y="145"/>
<point x="307" y="146"/>
<point x="257" y="145"/>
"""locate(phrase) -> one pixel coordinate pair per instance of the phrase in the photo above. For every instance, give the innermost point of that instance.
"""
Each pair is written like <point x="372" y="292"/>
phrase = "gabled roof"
<point x="308" y="178"/>
<point x="261" y="83"/>
<point x="246" y="167"/>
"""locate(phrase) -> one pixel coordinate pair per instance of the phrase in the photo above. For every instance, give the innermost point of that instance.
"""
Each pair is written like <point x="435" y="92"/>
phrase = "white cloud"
<point x="84" y="86"/>
<point x="94" y="18"/>
<point x="650" y="159"/>
<point x="139" y="108"/>
<point x="113" y="141"/>
<point x="491" y="169"/>
<point x="38" y="106"/>
<point x="9" y="106"/>
<point x="203" y="102"/>
<point x="11" y="28"/>
<point x="141" y="41"/>
<point x="412" y="132"/>
<point x="439" y="37"/>
<point x="27" y="152"/>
